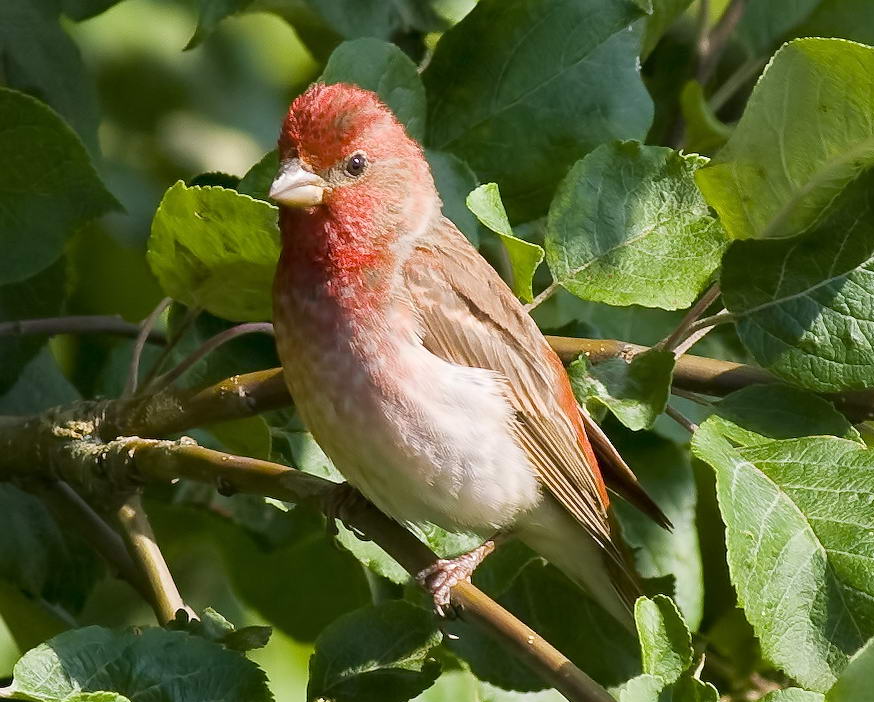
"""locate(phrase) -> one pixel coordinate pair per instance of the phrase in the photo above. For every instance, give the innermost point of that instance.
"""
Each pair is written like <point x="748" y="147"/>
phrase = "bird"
<point x="416" y="369"/>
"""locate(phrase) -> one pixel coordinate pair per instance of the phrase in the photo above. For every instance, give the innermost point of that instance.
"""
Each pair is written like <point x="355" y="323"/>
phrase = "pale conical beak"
<point x="295" y="186"/>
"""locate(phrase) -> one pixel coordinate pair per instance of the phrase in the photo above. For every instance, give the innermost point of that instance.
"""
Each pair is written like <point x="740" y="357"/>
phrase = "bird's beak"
<point x="295" y="186"/>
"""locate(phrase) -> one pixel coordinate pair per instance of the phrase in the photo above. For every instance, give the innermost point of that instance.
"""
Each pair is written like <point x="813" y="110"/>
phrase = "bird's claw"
<point x="439" y="578"/>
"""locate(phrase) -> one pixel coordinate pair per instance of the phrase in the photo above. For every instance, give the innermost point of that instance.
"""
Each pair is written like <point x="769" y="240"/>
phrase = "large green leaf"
<point x="806" y="132"/>
<point x="764" y="23"/>
<point x="635" y="391"/>
<point x="214" y="248"/>
<point x="387" y="71"/>
<point x="799" y="528"/>
<point x="628" y="226"/>
<point x="794" y="694"/>
<point x="663" y="468"/>
<point x="375" y="654"/>
<point x="664" y="13"/>
<point x="40" y="384"/>
<point x="803" y="306"/>
<point x="39" y="58"/>
<point x="543" y="82"/>
<point x="485" y="203"/>
<point x="848" y="19"/>
<point x="48" y="187"/>
<point x="151" y="664"/>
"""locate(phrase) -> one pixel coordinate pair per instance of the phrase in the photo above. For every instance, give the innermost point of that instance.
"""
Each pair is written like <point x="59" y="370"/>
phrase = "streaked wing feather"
<point x="469" y="316"/>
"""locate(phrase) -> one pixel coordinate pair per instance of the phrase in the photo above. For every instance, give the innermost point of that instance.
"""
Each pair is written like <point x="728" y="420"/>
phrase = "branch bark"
<point x="81" y="324"/>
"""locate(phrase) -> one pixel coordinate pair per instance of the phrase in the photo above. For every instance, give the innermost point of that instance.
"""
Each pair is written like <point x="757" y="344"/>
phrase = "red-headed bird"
<point x="416" y="369"/>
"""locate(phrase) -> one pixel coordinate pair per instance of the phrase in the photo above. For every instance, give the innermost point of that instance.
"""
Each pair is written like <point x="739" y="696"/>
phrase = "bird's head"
<point x="342" y="149"/>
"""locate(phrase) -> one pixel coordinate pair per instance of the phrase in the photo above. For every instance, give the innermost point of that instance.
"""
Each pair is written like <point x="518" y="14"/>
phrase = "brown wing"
<point x="470" y="317"/>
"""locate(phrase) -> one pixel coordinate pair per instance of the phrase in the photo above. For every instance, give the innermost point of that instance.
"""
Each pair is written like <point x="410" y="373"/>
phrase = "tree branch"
<point x="711" y="48"/>
<point x="163" y="594"/>
<point x="82" y="324"/>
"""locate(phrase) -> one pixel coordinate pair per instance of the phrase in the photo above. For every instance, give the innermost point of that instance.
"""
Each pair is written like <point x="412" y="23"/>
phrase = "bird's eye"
<point x="356" y="164"/>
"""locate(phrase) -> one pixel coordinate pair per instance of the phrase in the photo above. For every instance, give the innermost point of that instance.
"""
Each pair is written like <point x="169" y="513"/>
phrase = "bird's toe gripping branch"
<point x="439" y="579"/>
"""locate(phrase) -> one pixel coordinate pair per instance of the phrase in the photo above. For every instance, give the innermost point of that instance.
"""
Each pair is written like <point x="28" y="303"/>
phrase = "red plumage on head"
<point x="327" y="122"/>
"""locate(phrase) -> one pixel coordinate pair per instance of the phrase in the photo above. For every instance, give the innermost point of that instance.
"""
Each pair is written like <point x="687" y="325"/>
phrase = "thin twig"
<point x="140" y="539"/>
<point x="133" y="373"/>
<point x="681" y="419"/>
<point x="717" y="40"/>
<point x="74" y="513"/>
<point x="741" y="76"/>
<point x="191" y="316"/>
<point x="207" y="347"/>
<point x="77" y="324"/>
<point x="542" y="296"/>
<point x="707" y="323"/>
<point x="677" y="336"/>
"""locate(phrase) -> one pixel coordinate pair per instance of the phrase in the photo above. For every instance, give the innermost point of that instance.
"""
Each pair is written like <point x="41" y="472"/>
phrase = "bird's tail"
<point x="604" y="575"/>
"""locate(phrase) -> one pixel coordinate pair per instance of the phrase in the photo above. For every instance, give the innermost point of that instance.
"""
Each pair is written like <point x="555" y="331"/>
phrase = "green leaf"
<point x="854" y="684"/>
<point x="543" y="82"/>
<point x="211" y="12"/>
<point x="48" y="188"/>
<point x="643" y="688"/>
<point x="690" y="689"/>
<point x="454" y="181"/>
<point x="85" y="9"/>
<point x="664" y="470"/>
<point x="213" y="248"/>
<point x="803" y="306"/>
<point x="214" y="627"/>
<point x="804" y="135"/>
<point x="636" y="391"/>
<point x="386" y="70"/>
<point x="485" y="202"/>
<point x="848" y="19"/>
<point x="375" y="654"/>
<point x="39" y="58"/>
<point x="794" y="694"/>
<point x="781" y="412"/>
<point x="257" y="180"/>
<point x="136" y="664"/>
<point x="43" y="295"/>
<point x="799" y="531"/>
<point x="704" y="132"/>
<point x="565" y="616"/>
<point x="628" y="226"/>
<point x="665" y="641"/>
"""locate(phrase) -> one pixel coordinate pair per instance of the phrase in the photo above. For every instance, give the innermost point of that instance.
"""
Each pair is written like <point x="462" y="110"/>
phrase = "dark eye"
<point x="356" y="164"/>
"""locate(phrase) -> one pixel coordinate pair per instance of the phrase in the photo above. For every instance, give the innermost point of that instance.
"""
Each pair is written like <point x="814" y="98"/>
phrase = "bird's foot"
<point x="339" y="504"/>
<point x="440" y="578"/>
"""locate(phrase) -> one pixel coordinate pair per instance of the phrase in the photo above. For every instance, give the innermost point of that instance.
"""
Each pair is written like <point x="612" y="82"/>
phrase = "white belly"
<point x="423" y="439"/>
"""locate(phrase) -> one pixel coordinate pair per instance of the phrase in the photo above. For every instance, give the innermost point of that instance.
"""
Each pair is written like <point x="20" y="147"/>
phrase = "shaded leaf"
<point x="386" y="70"/>
<point x="628" y="226"/>
<point x="854" y="683"/>
<point x="764" y="23"/>
<point x="95" y="660"/>
<point x="48" y="187"/>
<point x="485" y="203"/>
<point x="636" y="391"/>
<point x="663" y="15"/>
<point x="40" y="384"/>
<point x="375" y="654"/>
<point x="805" y="133"/>
<point x="39" y="58"/>
<point x="799" y="529"/>
<point x="781" y="412"/>
<point x="455" y="181"/>
<point x="213" y="248"/>
<point x="544" y="82"/>
<point x="803" y="306"/>
<point x="257" y="180"/>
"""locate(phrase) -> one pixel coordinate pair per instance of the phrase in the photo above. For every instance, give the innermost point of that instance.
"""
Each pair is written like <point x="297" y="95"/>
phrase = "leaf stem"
<point x="140" y="539"/>
<point x="681" y="419"/>
<point x="735" y="82"/>
<point x="542" y="296"/>
<point x="190" y="317"/>
<point x="676" y="337"/>
<point x="130" y="386"/>
<point x="77" y="324"/>
<point x="711" y="48"/>
<point x="206" y="348"/>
